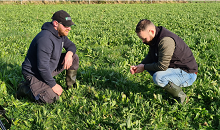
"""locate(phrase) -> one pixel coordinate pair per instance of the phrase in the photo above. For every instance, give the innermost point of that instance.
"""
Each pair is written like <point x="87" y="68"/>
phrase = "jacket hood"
<point x="49" y="26"/>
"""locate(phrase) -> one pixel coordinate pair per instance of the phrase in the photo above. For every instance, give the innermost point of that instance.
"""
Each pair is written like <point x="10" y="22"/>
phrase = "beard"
<point x="150" y="42"/>
<point x="63" y="32"/>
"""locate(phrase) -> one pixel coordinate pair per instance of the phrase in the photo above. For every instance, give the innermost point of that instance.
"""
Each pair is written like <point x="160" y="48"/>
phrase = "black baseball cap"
<point x="63" y="17"/>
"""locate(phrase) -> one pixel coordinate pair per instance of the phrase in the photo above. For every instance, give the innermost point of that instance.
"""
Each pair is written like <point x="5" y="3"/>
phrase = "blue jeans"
<point x="176" y="76"/>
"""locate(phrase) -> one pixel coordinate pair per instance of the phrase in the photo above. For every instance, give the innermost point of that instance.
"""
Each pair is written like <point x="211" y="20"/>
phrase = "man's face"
<point x="146" y="36"/>
<point x="62" y="30"/>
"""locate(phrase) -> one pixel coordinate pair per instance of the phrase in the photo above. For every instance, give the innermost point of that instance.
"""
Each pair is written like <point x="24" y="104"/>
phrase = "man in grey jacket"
<point x="170" y="61"/>
<point x="45" y="60"/>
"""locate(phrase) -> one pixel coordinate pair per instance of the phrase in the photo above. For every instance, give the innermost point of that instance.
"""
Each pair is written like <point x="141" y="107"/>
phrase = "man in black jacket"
<point x="170" y="61"/>
<point x="45" y="60"/>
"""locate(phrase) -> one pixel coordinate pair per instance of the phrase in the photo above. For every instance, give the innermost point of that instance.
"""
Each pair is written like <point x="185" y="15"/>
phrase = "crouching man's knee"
<point x="48" y="96"/>
<point x="159" y="79"/>
<point x="75" y="63"/>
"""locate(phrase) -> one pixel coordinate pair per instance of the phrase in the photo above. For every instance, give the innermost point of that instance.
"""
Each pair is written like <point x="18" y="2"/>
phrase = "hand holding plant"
<point x="133" y="69"/>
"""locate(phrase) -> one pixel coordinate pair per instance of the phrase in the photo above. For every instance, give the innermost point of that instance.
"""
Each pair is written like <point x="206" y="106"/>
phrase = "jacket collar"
<point x="156" y="37"/>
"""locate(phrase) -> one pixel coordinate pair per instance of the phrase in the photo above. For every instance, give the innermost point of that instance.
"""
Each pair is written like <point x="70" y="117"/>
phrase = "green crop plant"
<point x="107" y="95"/>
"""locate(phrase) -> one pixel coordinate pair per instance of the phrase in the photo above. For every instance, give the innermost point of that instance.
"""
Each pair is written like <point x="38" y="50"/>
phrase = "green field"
<point x="108" y="96"/>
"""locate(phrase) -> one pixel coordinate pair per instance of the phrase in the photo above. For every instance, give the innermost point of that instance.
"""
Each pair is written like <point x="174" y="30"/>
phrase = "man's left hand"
<point x="68" y="60"/>
<point x="140" y="68"/>
<point x="137" y="69"/>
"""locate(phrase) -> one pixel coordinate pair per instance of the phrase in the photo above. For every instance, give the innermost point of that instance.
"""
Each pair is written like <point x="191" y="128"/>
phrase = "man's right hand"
<point x="57" y="89"/>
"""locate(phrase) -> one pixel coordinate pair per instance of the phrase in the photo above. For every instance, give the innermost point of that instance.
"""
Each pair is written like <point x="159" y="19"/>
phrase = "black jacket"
<point x="44" y="54"/>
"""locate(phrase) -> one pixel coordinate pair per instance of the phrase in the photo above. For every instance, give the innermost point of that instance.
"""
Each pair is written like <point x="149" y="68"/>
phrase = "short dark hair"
<point x="142" y="25"/>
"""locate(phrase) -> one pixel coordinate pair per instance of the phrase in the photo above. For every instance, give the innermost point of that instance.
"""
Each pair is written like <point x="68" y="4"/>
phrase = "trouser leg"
<point x="71" y="72"/>
<point x="172" y="80"/>
<point x="176" y="76"/>
<point x="74" y="66"/>
<point x="42" y="92"/>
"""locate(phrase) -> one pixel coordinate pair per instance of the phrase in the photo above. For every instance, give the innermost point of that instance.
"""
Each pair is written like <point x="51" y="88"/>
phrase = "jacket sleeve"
<point x="166" y="49"/>
<point x="44" y="51"/>
<point x="69" y="45"/>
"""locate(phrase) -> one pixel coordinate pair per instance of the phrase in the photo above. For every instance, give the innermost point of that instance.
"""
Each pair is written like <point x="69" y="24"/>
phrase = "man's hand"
<point x="133" y="69"/>
<point x="68" y="60"/>
<point x="137" y="69"/>
<point x="57" y="89"/>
